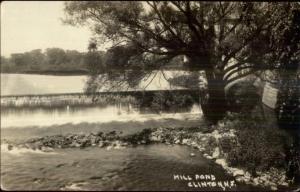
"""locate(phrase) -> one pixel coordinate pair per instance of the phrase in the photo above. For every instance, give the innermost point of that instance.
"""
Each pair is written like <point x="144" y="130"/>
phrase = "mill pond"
<point x="37" y="153"/>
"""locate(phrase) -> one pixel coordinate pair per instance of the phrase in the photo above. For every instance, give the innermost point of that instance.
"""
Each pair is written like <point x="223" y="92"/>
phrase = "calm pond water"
<point x="27" y="84"/>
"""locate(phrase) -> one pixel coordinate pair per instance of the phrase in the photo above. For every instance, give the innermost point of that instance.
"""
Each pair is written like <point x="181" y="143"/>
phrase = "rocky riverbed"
<point x="206" y="141"/>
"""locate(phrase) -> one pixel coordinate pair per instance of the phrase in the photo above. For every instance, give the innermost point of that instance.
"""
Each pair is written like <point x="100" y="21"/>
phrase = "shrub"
<point x="242" y="96"/>
<point x="288" y="105"/>
<point x="174" y="102"/>
<point x="256" y="146"/>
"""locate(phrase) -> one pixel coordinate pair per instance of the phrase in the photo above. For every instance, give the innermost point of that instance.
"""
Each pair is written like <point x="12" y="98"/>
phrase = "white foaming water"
<point x="75" y="186"/>
<point x="21" y="151"/>
<point x="196" y="109"/>
<point x="89" y="115"/>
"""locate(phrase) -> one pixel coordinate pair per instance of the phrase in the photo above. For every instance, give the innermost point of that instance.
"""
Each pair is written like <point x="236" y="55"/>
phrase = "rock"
<point x="74" y="144"/>
<point x="9" y="147"/>
<point x="247" y="180"/>
<point x="274" y="188"/>
<point x="119" y="147"/>
<point x="177" y="141"/>
<point x="192" y="154"/>
<point x="203" y="138"/>
<point x="282" y="178"/>
<point x="94" y="140"/>
<point x="247" y="174"/>
<point x="101" y="144"/>
<point x="99" y="134"/>
<point x="46" y="149"/>
<point x="185" y="141"/>
<point x="209" y="157"/>
<point x="216" y="153"/>
<point x="155" y="138"/>
<point x="239" y="179"/>
<point x="255" y="181"/>
<point x="238" y="172"/>
<point x="247" y="177"/>
<point x="221" y="162"/>
<point x="109" y="148"/>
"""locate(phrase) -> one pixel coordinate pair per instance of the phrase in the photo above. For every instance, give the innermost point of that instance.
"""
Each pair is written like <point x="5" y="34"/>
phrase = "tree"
<point x="6" y="66"/>
<point x="20" y="60"/>
<point x="210" y="34"/>
<point x="36" y="58"/>
<point x="288" y="107"/>
<point x="56" y="56"/>
<point x="94" y="59"/>
<point x="74" y="58"/>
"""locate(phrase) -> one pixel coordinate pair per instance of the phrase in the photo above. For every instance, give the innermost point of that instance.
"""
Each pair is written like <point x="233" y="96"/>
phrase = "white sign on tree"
<point x="270" y="96"/>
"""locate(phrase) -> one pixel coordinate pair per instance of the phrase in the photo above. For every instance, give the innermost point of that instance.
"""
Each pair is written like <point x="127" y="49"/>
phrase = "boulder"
<point x="238" y="172"/>
<point x="221" y="162"/>
<point x="46" y="149"/>
<point x="9" y="147"/>
<point x="216" y="153"/>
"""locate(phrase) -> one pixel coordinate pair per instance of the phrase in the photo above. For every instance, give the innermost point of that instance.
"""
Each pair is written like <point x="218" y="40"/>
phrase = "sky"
<point x="32" y="25"/>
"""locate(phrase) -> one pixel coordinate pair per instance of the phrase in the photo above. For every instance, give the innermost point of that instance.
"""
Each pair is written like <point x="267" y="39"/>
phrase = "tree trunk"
<point x="214" y="105"/>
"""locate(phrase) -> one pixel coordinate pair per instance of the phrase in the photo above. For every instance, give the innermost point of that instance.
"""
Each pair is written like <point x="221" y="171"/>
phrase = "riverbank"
<point x="208" y="140"/>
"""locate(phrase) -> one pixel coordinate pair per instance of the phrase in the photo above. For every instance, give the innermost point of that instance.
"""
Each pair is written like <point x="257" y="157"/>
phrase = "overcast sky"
<point x="32" y="25"/>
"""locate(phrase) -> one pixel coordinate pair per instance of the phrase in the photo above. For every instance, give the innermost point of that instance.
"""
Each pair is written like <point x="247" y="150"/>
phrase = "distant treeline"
<point x="59" y="61"/>
<point x="50" y="61"/>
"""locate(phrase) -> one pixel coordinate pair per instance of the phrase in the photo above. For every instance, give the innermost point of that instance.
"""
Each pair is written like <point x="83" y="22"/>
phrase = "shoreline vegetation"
<point x="210" y="140"/>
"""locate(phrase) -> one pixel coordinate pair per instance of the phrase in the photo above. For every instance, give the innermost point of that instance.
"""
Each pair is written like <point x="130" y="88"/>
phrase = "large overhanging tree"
<point x="228" y="40"/>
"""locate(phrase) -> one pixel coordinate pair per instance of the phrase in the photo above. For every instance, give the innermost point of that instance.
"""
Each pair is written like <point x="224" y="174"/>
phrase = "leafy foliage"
<point x="228" y="40"/>
<point x="256" y="146"/>
<point x="242" y="96"/>
<point x="288" y="108"/>
<point x="208" y="33"/>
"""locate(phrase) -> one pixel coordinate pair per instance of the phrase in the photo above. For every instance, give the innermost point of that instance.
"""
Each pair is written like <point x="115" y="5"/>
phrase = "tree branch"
<point x="228" y="75"/>
<point x="161" y="19"/>
<point x="241" y="76"/>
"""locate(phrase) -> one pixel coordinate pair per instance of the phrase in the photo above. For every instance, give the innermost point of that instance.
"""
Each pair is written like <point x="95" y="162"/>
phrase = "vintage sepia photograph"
<point x="150" y="96"/>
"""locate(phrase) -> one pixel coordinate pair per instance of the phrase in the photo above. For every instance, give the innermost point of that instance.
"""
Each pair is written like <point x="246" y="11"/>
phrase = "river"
<point x="151" y="167"/>
<point x="145" y="167"/>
